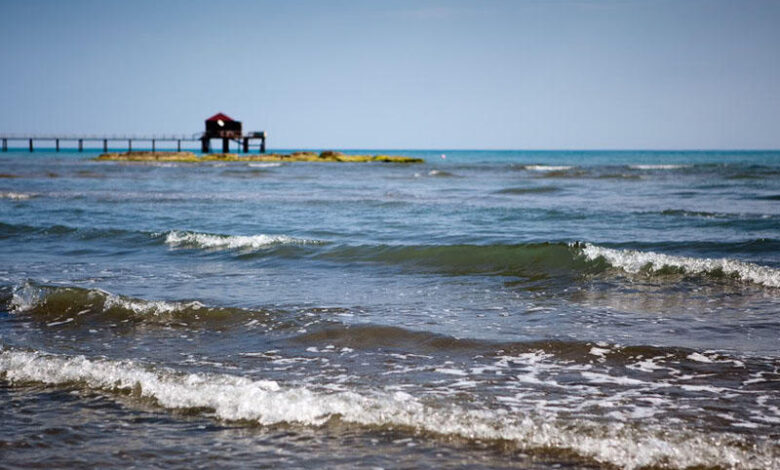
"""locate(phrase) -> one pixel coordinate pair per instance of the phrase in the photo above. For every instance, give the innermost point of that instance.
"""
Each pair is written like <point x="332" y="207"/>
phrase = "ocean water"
<point x="491" y="309"/>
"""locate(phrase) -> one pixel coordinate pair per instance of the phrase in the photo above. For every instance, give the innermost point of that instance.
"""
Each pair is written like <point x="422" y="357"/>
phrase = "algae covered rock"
<point x="330" y="154"/>
<point x="141" y="156"/>
<point x="306" y="156"/>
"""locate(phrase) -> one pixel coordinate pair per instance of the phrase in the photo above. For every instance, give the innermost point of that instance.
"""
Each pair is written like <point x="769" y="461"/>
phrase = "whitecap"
<point x="16" y="196"/>
<point x="633" y="261"/>
<point x="27" y="297"/>
<point x="658" y="167"/>
<point x="547" y="167"/>
<point x="265" y="165"/>
<point x="148" y="307"/>
<point x="176" y="238"/>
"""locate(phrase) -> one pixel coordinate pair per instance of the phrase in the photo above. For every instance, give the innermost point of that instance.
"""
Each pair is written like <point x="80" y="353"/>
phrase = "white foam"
<point x="176" y="238"/>
<point x="647" y="365"/>
<point x="658" y="167"/>
<point x="699" y="358"/>
<point x="547" y="167"/>
<point x="633" y="261"/>
<point x="266" y="402"/>
<point x="265" y="165"/>
<point x="16" y="196"/>
<point x="601" y="352"/>
<point x="58" y="323"/>
<point x="148" y="307"/>
<point x="25" y="298"/>
<point x="450" y="371"/>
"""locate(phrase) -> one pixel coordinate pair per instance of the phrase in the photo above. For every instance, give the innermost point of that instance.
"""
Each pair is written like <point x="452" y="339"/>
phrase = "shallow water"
<point x="502" y="309"/>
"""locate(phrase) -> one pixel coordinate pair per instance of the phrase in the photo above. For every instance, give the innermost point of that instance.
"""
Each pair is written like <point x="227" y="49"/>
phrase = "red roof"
<point x="219" y="116"/>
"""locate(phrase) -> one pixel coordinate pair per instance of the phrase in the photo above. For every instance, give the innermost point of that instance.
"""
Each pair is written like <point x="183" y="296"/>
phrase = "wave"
<point x="245" y="173"/>
<point x="180" y="239"/>
<point x="531" y="259"/>
<point x="536" y="261"/>
<point x="365" y="337"/>
<point x="16" y="196"/>
<point x="634" y="261"/>
<point x="539" y="261"/>
<point x="437" y="174"/>
<point x="619" y="176"/>
<point x="704" y="214"/>
<point x="547" y="167"/>
<point x="76" y="306"/>
<point x="265" y="164"/>
<point x="265" y="402"/>
<point x="658" y="167"/>
<point x="536" y="190"/>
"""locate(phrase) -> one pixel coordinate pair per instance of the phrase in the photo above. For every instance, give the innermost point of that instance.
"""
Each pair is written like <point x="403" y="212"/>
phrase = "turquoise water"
<point x="500" y="309"/>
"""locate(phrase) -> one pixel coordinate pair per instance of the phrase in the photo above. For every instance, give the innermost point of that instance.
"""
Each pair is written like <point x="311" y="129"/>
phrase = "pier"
<point x="31" y="141"/>
<point x="218" y="126"/>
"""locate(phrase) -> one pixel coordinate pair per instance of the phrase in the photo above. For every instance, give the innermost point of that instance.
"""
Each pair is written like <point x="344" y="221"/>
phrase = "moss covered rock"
<point x="327" y="156"/>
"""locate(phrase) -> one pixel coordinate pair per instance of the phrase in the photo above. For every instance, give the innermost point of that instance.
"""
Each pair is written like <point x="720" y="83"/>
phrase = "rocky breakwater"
<point x="189" y="157"/>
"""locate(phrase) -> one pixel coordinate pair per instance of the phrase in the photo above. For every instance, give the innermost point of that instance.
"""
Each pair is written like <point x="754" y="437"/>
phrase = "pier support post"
<point x="81" y="145"/>
<point x="57" y="144"/>
<point x="225" y="146"/>
<point x="204" y="145"/>
<point x="31" y="145"/>
<point x="178" y="145"/>
<point x="5" y="145"/>
<point x="105" y="145"/>
<point x="262" y="145"/>
<point x="153" y="146"/>
<point x="246" y="144"/>
<point x="129" y="145"/>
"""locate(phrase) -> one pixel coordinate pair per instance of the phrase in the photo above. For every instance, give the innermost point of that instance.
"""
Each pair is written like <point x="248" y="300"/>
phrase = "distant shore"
<point x="189" y="157"/>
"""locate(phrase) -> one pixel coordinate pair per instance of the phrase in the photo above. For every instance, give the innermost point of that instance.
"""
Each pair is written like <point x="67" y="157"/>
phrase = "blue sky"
<point x="523" y="74"/>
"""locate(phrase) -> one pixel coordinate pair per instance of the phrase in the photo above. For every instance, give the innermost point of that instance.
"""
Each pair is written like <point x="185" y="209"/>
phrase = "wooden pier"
<point x="30" y="141"/>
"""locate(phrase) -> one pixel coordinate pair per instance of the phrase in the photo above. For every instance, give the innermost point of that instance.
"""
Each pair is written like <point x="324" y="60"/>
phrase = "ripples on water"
<point x="504" y="309"/>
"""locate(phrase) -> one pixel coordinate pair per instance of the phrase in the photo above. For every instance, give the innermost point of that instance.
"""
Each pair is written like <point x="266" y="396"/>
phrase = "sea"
<point x="484" y="309"/>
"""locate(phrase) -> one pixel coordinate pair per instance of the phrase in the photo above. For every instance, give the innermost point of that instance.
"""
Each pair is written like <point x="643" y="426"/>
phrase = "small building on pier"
<point x="222" y="126"/>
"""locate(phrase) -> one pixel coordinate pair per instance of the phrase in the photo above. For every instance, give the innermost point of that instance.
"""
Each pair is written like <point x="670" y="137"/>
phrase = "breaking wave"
<point x="265" y="164"/>
<point x="547" y="167"/>
<point x="658" y="167"/>
<point x="16" y="196"/>
<point x="179" y="239"/>
<point x="266" y="402"/>
<point x="546" y="260"/>
<point x="634" y="261"/>
<point x="533" y="260"/>
<point x="75" y="306"/>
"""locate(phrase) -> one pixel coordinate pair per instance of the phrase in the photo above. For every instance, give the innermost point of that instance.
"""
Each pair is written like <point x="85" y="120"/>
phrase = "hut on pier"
<point x="220" y="126"/>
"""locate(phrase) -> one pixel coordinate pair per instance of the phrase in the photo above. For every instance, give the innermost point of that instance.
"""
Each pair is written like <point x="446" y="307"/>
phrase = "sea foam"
<point x="658" y="167"/>
<point x="547" y="167"/>
<point x="176" y="238"/>
<point x="16" y="196"/>
<point x="633" y="261"/>
<point x="267" y="402"/>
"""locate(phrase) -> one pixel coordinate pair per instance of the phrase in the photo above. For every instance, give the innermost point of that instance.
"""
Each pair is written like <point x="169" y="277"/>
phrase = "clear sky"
<point x="522" y="74"/>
